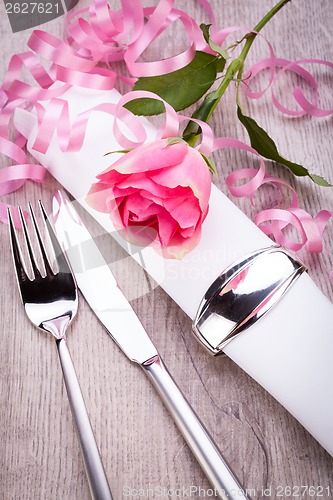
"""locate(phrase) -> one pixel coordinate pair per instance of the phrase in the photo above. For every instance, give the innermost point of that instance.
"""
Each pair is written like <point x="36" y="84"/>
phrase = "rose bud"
<point x="156" y="194"/>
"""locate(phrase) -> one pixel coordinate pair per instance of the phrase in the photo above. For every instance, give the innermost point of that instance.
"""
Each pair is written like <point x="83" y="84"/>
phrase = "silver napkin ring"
<point x="242" y="294"/>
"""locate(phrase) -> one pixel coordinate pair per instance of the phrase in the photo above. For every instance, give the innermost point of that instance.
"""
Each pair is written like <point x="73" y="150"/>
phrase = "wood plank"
<point x="140" y="446"/>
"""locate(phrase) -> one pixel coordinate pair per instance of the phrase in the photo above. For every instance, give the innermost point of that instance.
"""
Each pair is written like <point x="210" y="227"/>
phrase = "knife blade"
<point x="99" y="287"/>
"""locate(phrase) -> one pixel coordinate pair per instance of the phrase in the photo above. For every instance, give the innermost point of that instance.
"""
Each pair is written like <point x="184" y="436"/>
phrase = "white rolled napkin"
<point x="289" y="350"/>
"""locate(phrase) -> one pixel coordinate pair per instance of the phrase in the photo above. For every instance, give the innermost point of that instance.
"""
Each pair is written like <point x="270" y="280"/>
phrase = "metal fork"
<point x="50" y="300"/>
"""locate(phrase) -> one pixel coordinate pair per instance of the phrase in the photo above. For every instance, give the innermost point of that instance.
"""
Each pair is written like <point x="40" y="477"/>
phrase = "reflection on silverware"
<point x="243" y="293"/>
<point x="50" y="300"/>
<point x="101" y="291"/>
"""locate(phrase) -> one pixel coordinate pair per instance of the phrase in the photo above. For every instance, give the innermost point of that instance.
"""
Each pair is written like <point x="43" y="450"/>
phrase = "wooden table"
<point x="139" y="443"/>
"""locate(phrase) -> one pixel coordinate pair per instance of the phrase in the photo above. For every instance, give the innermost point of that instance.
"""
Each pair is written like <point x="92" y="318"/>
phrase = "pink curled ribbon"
<point x="96" y="35"/>
<point x="306" y="107"/>
<point x="108" y="36"/>
<point x="274" y="221"/>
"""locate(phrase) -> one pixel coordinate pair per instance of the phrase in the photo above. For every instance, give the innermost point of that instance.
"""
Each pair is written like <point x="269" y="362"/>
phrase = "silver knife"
<point x="116" y="314"/>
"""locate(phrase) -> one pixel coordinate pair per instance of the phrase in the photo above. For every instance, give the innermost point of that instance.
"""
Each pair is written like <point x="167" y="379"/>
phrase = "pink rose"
<point x="158" y="192"/>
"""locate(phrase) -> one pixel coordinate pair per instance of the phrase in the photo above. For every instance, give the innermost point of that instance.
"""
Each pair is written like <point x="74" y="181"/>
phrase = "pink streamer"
<point x="106" y="36"/>
<point x="307" y="107"/>
<point x="97" y="34"/>
<point x="124" y="35"/>
<point x="274" y="220"/>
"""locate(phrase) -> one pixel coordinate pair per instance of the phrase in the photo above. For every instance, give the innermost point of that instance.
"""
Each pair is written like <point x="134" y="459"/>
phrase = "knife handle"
<point x="194" y="432"/>
<point x="98" y="483"/>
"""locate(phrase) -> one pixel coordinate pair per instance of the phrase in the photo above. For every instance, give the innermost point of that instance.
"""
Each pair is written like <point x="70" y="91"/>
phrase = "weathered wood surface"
<point x="140" y="445"/>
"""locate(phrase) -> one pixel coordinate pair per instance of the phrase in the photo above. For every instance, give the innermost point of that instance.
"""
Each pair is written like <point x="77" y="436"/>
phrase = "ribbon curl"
<point x="274" y="221"/>
<point x="307" y="107"/>
<point x="96" y="36"/>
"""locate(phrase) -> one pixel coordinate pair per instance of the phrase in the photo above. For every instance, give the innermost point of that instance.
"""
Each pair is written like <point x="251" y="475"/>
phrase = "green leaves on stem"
<point x="188" y="85"/>
<point x="206" y="108"/>
<point x="266" y="147"/>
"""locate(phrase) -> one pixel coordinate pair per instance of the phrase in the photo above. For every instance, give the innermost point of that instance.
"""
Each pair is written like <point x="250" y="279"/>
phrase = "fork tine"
<point x="31" y="253"/>
<point x="16" y="250"/>
<point x="61" y="260"/>
<point x="46" y="262"/>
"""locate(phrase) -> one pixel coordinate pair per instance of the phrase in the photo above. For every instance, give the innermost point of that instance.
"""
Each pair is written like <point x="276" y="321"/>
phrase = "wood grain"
<point x="139" y="443"/>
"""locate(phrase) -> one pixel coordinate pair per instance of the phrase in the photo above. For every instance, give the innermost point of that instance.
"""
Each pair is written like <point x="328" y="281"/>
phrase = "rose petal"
<point x="144" y="182"/>
<point x="98" y="197"/>
<point x="167" y="227"/>
<point x="179" y="247"/>
<point x="138" y="209"/>
<point x="156" y="193"/>
<point x="192" y="172"/>
<point x="187" y="213"/>
<point x="155" y="156"/>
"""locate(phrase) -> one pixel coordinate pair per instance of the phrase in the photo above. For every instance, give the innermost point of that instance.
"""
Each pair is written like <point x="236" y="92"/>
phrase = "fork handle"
<point x="202" y="445"/>
<point x="98" y="483"/>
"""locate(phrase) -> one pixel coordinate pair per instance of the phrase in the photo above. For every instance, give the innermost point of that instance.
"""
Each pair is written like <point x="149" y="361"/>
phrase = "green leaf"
<point x="211" y="165"/>
<point x="179" y="88"/>
<point x="118" y="151"/>
<point x="174" y="140"/>
<point x="205" y="28"/>
<point x="266" y="147"/>
<point x="318" y="179"/>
